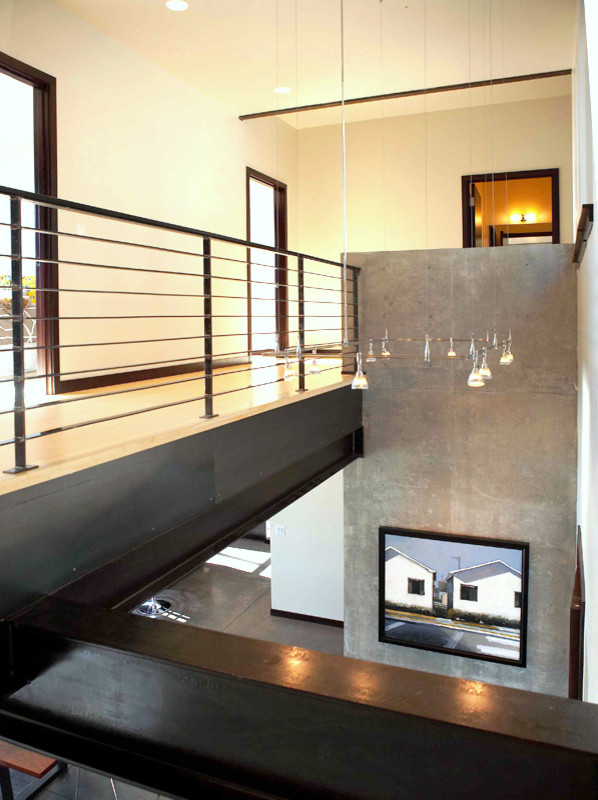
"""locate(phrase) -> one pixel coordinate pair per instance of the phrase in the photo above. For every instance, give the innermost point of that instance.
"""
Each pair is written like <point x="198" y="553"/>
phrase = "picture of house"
<point x="491" y="592"/>
<point x="455" y="594"/>
<point x="409" y="584"/>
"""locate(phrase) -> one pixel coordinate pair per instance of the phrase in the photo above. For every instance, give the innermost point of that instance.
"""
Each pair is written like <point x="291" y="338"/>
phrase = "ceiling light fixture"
<point x="528" y="216"/>
<point x="177" y="5"/>
<point x="282" y="90"/>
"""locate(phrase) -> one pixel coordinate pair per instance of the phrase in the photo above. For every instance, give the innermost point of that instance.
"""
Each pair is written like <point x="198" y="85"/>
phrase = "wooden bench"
<point x="43" y="768"/>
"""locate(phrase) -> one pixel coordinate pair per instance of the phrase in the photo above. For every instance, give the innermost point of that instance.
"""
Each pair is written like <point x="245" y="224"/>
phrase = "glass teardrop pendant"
<point x="359" y="381"/>
<point x="451" y="353"/>
<point x="371" y="357"/>
<point x="313" y="368"/>
<point x="289" y="372"/>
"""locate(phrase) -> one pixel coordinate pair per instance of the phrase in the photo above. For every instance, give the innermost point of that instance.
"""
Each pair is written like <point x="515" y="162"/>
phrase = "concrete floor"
<point x="223" y="598"/>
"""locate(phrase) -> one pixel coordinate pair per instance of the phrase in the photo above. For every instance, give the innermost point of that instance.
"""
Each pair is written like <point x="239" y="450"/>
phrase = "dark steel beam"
<point x="453" y="87"/>
<point x="180" y="709"/>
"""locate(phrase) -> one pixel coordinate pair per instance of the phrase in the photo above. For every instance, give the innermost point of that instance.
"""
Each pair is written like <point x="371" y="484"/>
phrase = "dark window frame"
<point x="411" y="585"/>
<point x="518" y="596"/>
<point x="46" y="182"/>
<point x="468" y="181"/>
<point x="281" y="239"/>
<point x="469" y="589"/>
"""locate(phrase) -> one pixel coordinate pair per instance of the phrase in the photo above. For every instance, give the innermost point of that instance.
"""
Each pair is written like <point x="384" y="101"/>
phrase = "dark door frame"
<point x="46" y="182"/>
<point x="467" y="182"/>
<point x="281" y="272"/>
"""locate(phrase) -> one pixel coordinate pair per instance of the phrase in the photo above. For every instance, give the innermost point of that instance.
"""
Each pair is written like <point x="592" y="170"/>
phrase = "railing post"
<point x="207" y="329"/>
<point x="18" y="325"/>
<point x="301" y="320"/>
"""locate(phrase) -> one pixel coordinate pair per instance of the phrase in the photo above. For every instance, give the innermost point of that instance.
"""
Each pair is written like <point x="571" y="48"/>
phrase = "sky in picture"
<point x="443" y="557"/>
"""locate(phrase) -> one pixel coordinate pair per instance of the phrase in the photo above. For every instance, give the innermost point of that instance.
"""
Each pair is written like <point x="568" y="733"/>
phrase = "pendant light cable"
<point x="344" y="157"/>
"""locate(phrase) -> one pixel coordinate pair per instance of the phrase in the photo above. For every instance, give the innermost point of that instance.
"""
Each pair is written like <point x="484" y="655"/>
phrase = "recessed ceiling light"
<point x="282" y="90"/>
<point x="177" y="5"/>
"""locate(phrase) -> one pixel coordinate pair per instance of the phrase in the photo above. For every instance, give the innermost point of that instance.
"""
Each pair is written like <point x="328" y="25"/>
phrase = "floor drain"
<point x="154" y="607"/>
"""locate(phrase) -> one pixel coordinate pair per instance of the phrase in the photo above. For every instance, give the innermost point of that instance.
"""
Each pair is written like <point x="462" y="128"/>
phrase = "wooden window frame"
<point x="281" y="272"/>
<point x="467" y="181"/>
<point x="46" y="182"/>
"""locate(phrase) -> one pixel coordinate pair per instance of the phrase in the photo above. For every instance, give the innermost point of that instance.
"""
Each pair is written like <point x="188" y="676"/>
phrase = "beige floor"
<point x="61" y="453"/>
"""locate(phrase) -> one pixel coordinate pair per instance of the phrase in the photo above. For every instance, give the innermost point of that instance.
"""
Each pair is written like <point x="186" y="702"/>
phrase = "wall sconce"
<point x="528" y="216"/>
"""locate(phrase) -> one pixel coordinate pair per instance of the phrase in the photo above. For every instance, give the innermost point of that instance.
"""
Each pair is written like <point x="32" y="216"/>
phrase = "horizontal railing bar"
<point x="76" y="425"/>
<point x="202" y="377"/>
<point x="198" y="357"/>
<point x="173" y="294"/>
<point x="7" y="441"/>
<point x="166" y="316"/>
<point x="167" y="273"/>
<point x="96" y="211"/>
<point x="150" y="341"/>
<point x="172" y="250"/>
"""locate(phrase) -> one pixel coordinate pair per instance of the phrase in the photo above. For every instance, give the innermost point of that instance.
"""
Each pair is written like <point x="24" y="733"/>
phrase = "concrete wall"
<point x="307" y="560"/>
<point x="493" y="462"/>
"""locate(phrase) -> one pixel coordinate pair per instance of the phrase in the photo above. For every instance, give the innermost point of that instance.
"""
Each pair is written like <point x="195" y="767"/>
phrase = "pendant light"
<point x="289" y="372"/>
<point x="484" y="370"/>
<point x="451" y="353"/>
<point x="385" y="352"/>
<point x="313" y="368"/>
<point x="371" y="357"/>
<point x="359" y="381"/>
<point x="475" y="379"/>
<point x="427" y="356"/>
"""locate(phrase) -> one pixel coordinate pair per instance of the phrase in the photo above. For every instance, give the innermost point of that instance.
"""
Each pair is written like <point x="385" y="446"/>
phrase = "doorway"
<point x="510" y="208"/>
<point x="267" y="293"/>
<point x="28" y="162"/>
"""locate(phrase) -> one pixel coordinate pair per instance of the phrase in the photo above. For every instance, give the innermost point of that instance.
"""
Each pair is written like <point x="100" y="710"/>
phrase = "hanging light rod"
<point x="454" y="87"/>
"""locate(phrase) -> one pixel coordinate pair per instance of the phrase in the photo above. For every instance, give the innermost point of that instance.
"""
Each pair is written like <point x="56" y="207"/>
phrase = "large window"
<point x="267" y="224"/>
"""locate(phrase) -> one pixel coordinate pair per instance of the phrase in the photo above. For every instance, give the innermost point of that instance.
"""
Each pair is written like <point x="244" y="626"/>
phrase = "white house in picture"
<point x="408" y="582"/>
<point x="491" y="589"/>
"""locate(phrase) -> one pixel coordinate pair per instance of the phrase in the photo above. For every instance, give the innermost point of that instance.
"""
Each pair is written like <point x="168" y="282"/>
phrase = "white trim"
<point x="415" y="561"/>
<point x="485" y="564"/>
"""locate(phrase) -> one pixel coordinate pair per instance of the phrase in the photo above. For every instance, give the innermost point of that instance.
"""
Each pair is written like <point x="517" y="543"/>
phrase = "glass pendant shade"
<point x="427" y="356"/>
<point x="472" y="347"/>
<point x="507" y="356"/>
<point x="475" y="379"/>
<point x="484" y="371"/>
<point x="313" y="368"/>
<point x="359" y="381"/>
<point x="289" y="372"/>
<point x="371" y="357"/>
<point x="385" y="352"/>
<point x="451" y="353"/>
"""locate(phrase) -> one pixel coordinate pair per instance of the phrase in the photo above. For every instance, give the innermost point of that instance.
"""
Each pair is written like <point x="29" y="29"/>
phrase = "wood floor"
<point x="68" y="451"/>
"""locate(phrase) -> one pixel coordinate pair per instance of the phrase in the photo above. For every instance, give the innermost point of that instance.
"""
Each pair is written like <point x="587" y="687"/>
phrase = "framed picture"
<point x="460" y="595"/>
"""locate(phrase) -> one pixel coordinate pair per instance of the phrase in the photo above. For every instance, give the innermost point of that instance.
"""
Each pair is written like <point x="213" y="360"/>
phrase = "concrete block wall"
<point x="496" y="462"/>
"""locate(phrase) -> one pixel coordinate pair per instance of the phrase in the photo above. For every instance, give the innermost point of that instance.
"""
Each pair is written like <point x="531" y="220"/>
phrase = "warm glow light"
<point x="528" y="216"/>
<point x="282" y="90"/>
<point x="177" y="5"/>
<point x="451" y="353"/>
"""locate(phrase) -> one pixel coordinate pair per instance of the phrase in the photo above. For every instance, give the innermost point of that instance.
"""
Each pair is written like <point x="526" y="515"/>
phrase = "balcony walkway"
<point x="72" y="450"/>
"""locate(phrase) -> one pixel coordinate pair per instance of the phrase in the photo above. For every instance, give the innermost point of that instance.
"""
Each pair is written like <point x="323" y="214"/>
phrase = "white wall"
<point x="386" y="172"/>
<point x="585" y="84"/>
<point x="496" y="595"/>
<point x="134" y="138"/>
<point x="308" y="560"/>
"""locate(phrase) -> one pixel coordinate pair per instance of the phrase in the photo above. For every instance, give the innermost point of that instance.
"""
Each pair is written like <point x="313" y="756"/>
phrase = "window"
<point x="517" y="599"/>
<point x="415" y="586"/>
<point x="267" y="224"/>
<point x="469" y="593"/>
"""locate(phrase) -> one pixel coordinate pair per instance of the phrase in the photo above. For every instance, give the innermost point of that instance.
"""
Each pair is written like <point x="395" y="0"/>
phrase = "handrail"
<point x="96" y="211"/>
<point x="293" y="299"/>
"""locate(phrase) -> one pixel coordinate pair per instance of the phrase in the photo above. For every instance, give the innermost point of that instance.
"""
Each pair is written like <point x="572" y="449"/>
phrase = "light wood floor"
<point x="68" y="451"/>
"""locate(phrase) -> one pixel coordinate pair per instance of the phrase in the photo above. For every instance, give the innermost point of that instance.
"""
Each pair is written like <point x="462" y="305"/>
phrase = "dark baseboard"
<point x="115" y="378"/>
<point x="335" y="623"/>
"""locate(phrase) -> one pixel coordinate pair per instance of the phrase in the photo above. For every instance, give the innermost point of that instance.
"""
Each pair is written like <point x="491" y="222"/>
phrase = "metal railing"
<point x="296" y="291"/>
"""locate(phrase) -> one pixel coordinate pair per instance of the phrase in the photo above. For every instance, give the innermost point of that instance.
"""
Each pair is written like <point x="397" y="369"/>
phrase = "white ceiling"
<point x="237" y="51"/>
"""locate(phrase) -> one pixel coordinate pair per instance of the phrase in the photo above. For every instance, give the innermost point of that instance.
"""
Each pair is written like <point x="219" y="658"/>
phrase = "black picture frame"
<point x="417" y="632"/>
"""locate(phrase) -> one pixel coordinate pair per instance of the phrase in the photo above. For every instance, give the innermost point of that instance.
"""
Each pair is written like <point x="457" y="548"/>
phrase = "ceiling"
<point x="237" y="51"/>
